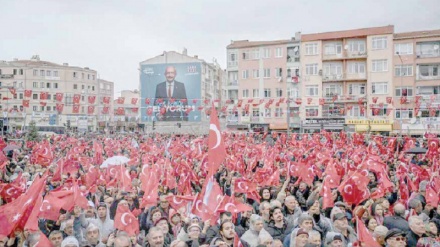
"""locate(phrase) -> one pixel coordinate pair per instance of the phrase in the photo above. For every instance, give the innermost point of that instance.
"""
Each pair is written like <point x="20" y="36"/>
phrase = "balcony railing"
<point x="233" y="83"/>
<point x="232" y="64"/>
<point x="344" y="77"/>
<point x="345" y="55"/>
<point x="344" y="98"/>
<point x="427" y="54"/>
<point x="429" y="77"/>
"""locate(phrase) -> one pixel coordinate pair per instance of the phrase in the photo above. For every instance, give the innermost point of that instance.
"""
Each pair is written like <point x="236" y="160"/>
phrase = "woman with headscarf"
<point x="256" y="230"/>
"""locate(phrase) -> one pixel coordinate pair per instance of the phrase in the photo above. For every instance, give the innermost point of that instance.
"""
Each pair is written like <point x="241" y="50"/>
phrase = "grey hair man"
<point x="398" y="219"/>
<point x="155" y="237"/>
<point x="379" y="234"/>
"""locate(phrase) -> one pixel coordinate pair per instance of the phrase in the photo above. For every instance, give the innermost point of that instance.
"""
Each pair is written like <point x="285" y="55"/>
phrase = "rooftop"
<point x="362" y="32"/>
<point x="417" y="34"/>
<point x="36" y="62"/>
<point x="246" y="43"/>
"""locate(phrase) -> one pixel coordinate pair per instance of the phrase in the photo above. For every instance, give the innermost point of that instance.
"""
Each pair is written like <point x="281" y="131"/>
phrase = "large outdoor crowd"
<point x="296" y="190"/>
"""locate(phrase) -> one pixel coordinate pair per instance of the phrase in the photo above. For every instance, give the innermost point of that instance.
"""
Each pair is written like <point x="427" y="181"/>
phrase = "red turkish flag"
<point x="389" y="110"/>
<point x="240" y="101"/>
<point x="364" y="235"/>
<point x="43" y="95"/>
<point x="59" y="97"/>
<point x="135" y="109"/>
<point x="246" y="108"/>
<point x="13" y="90"/>
<point x="335" y="97"/>
<point x="90" y="109"/>
<point x="237" y="241"/>
<point x="120" y="111"/>
<point x="298" y="101"/>
<point x="75" y="109"/>
<point x="26" y="103"/>
<point x="43" y="103"/>
<point x="375" y="100"/>
<point x="432" y="197"/>
<point x="43" y="242"/>
<point x="354" y="188"/>
<point x="360" y="101"/>
<point x="202" y="210"/>
<point x="59" y="107"/>
<point x="327" y="201"/>
<point x="389" y="100"/>
<point x="403" y="100"/>
<point x="121" y="100"/>
<point x="309" y="101"/>
<point x="150" y="197"/>
<point x="150" y="111"/>
<point x="194" y="101"/>
<point x="91" y="99"/>
<point x="126" y="221"/>
<point x="76" y="98"/>
<point x="376" y="111"/>
<point x="230" y="204"/>
<point x="27" y="93"/>
<point x="50" y="207"/>
<point x="11" y="192"/>
<point x="134" y="101"/>
<point x="321" y="101"/>
<point x="216" y="145"/>
<point x="106" y="100"/>
<point x="178" y="202"/>
<point x="243" y="185"/>
<point x="105" y="110"/>
<point x="250" y="100"/>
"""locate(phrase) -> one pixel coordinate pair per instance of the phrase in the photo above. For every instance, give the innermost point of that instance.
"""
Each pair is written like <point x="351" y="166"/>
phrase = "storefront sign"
<point x="366" y="121"/>
<point x="324" y="121"/>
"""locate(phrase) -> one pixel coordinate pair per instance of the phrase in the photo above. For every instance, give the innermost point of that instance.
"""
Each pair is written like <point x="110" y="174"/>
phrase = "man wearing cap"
<point x="395" y="238"/>
<point x="334" y="240"/>
<point x="340" y="224"/>
<point x="299" y="237"/>
<point x="195" y="235"/>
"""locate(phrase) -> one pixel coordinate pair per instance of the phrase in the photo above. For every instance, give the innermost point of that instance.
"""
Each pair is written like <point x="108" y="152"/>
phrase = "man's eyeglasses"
<point x="400" y="239"/>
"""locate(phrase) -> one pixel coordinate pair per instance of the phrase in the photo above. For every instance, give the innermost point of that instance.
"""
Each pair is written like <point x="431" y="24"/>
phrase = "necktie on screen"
<point x="169" y="90"/>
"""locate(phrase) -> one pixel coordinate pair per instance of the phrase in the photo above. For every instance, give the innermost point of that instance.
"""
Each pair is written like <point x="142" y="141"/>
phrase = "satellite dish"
<point x="295" y="48"/>
<point x="346" y="47"/>
<point x="413" y="120"/>
<point x="436" y="47"/>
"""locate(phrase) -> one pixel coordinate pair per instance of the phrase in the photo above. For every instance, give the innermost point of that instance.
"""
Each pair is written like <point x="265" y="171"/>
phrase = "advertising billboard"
<point x="170" y="92"/>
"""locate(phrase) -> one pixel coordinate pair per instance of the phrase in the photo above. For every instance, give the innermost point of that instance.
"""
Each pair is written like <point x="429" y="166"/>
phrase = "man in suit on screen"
<point x="171" y="89"/>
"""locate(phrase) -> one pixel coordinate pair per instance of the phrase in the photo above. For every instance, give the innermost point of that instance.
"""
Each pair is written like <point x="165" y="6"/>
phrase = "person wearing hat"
<point x="196" y="238"/>
<point x="70" y="242"/>
<point x="299" y="237"/>
<point x="340" y="224"/>
<point x="334" y="239"/>
<point x="395" y="238"/>
<point x="163" y="225"/>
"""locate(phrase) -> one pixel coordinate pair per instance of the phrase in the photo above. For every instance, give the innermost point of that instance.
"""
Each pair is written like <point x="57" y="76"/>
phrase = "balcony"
<point x="328" y="99"/>
<point x="4" y="76"/>
<point x="232" y="64"/>
<point x="332" y="78"/>
<point x="345" y="55"/>
<point x="344" y="77"/>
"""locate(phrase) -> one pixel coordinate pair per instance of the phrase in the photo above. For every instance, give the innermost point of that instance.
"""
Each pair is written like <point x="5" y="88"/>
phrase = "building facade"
<point x="261" y="77"/>
<point x="51" y="95"/>
<point x="126" y="111"/>
<point x="417" y="82"/>
<point x="346" y="79"/>
<point x="210" y="85"/>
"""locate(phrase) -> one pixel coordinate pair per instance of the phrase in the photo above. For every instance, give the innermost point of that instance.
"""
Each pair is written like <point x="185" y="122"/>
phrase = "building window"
<point x="55" y="85"/>
<point x="245" y="93"/>
<point x="55" y="73"/>
<point x="404" y="113"/>
<point x="403" y="70"/>
<point x="20" y="84"/>
<point x="356" y="68"/>
<point x="355" y="111"/>
<point x="256" y="73"/>
<point x="356" y="46"/>
<point x="93" y="88"/>
<point x="278" y="52"/>
<point x="21" y="96"/>
<point x="232" y="59"/>
<point x="82" y="76"/>
<point x="292" y="93"/>
<point x="404" y="91"/>
<point x="245" y="74"/>
<point x="82" y="109"/>
<point x="278" y="112"/>
<point x="49" y="96"/>
<point x="41" y="84"/>
<point x="48" y="85"/>
<point x="256" y="93"/>
<point x="75" y="74"/>
<point x="35" y="72"/>
<point x="246" y="55"/>
<point x="267" y="93"/>
<point x="34" y="108"/>
<point x="267" y="112"/>
<point x="35" y="84"/>
<point x="428" y="71"/>
<point x="75" y="86"/>
<point x="312" y="111"/>
<point x="266" y="53"/>
<point x="34" y="96"/>
<point x="266" y="73"/>
<point x="255" y="54"/>
<point x="379" y="43"/>
<point x="356" y="89"/>
<point x="278" y="72"/>
<point x="82" y="97"/>
<point x="88" y="76"/>
<point x="333" y="110"/>
<point x="279" y="92"/>
<point x="382" y="110"/>
<point x="332" y="90"/>
<point x="312" y="49"/>
<point x="428" y="49"/>
<point x="312" y="69"/>
<point x="48" y="73"/>
<point x="93" y="77"/>
<point x="255" y="112"/>
<point x="42" y="73"/>
<point x="332" y="69"/>
<point x="333" y="49"/>
<point x="379" y="88"/>
<point x="403" y="49"/>
<point x="48" y="108"/>
<point x="312" y="90"/>
<point x="83" y="87"/>
<point x="41" y="108"/>
<point x="379" y="65"/>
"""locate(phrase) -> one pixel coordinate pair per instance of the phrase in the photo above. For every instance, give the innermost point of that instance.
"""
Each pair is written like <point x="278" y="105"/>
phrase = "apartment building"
<point x="346" y="79"/>
<point x="261" y="77"/>
<point x="126" y="110"/>
<point x="417" y="82"/>
<point x="52" y="95"/>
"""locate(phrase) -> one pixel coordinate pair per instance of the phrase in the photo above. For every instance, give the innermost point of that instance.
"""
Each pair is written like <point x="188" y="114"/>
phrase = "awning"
<point x="237" y="126"/>
<point x="278" y="126"/>
<point x="374" y="127"/>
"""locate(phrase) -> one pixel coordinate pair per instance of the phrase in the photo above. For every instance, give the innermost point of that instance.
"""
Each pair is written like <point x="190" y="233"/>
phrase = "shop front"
<point x="384" y="126"/>
<point x="311" y="125"/>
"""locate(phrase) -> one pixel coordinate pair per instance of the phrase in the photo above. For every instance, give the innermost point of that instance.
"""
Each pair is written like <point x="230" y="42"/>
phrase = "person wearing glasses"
<point x="395" y="238"/>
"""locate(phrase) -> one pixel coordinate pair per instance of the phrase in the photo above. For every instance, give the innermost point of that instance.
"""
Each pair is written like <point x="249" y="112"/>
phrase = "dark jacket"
<point x="279" y="233"/>
<point x="412" y="238"/>
<point x="398" y="222"/>
<point x="213" y="232"/>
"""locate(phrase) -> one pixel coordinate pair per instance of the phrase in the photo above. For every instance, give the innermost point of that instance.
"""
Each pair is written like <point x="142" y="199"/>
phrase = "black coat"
<point x="398" y="222"/>
<point x="412" y="238"/>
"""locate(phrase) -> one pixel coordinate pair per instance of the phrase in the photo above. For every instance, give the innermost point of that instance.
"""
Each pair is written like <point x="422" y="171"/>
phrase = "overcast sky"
<point x="113" y="36"/>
